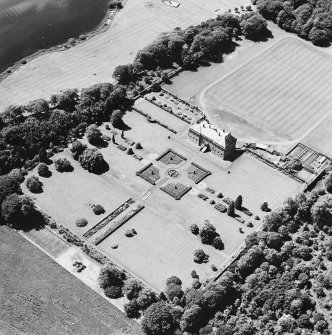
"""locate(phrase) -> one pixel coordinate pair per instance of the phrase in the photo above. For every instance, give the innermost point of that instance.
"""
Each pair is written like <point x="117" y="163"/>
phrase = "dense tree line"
<point x="309" y="19"/>
<point x="273" y="288"/>
<point x="187" y="47"/>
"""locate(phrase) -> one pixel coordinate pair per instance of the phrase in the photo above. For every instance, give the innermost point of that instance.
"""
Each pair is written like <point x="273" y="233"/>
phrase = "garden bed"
<point x="149" y="173"/>
<point x="109" y="218"/>
<point x="118" y="224"/>
<point x="171" y="157"/>
<point x="197" y="173"/>
<point x="177" y="191"/>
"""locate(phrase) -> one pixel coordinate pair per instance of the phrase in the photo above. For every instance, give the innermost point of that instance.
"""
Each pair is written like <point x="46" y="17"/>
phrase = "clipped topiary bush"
<point x="34" y="185"/>
<point x="63" y="165"/>
<point x="98" y="209"/>
<point x="81" y="222"/>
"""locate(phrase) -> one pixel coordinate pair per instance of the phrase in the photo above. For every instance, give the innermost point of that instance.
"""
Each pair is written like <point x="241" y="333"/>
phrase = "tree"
<point x="63" y="165"/>
<point x="8" y="185"/>
<point x="132" y="309"/>
<point x="231" y="209"/>
<point x="218" y="243"/>
<point x="158" y="319"/>
<point x="34" y="185"/>
<point x="191" y="319"/>
<point x="125" y="74"/>
<point x="43" y="170"/>
<point x="66" y="100"/>
<point x="318" y="36"/>
<point x="110" y="276"/>
<point x="253" y="26"/>
<point x="208" y="233"/>
<point x="146" y="298"/>
<point x="93" y="134"/>
<point x="269" y="9"/>
<point x="113" y="291"/>
<point x="77" y="148"/>
<point x="116" y="119"/>
<point x="132" y="288"/>
<point x="17" y="210"/>
<point x="322" y="211"/>
<point x="38" y="107"/>
<point x="238" y="202"/>
<point x="173" y="287"/>
<point x="93" y="161"/>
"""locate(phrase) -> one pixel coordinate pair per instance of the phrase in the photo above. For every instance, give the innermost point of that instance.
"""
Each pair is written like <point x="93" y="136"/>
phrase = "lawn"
<point x="68" y="196"/>
<point x="39" y="297"/>
<point x="286" y="90"/>
<point x="162" y="248"/>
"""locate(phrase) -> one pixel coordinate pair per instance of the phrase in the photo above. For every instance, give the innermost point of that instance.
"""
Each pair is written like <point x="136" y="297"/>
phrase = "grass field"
<point x="136" y="25"/>
<point x="161" y="248"/>
<point x="285" y="90"/>
<point x="40" y="297"/>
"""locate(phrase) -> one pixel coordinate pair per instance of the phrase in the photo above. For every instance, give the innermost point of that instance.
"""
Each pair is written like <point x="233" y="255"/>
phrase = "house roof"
<point x="218" y="136"/>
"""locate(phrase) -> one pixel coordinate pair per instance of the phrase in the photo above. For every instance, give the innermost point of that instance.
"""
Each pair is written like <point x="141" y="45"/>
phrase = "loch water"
<point x="27" y="26"/>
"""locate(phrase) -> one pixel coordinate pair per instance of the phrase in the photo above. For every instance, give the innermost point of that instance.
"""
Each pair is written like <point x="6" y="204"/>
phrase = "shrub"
<point x="158" y="319"/>
<point x="196" y="284"/>
<point x="93" y="161"/>
<point x="77" y="149"/>
<point x="43" y="170"/>
<point x="146" y="298"/>
<point x="113" y="292"/>
<point x="129" y="233"/>
<point x="63" y="165"/>
<point x="98" y="209"/>
<point x="200" y="256"/>
<point x="81" y="222"/>
<point x="208" y="233"/>
<point x="214" y="268"/>
<point x="219" y="195"/>
<point x="194" y="274"/>
<point x="17" y="210"/>
<point x="8" y="185"/>
<point x="93" y="134"/>
<point x="194" y="229"/>
<point x="110" y="276"/>
<point x="218" y="243"/>
<point x="131" y="309"/>
<point x="250" y="224"/>
<point x="132" y="288"/>
<point x="34" y="185"/>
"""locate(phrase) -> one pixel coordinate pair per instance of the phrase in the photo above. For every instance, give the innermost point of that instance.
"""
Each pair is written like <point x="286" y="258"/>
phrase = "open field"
<point x="139" y="23"/>
<point x="286" y="90"/>
<point x="40" y="297"/>
<point x="66" y="196"/>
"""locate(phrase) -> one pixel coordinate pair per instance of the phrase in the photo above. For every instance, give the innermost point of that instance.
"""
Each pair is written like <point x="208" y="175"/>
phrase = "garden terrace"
<point x="177" y="191"/>
<point x="149" y="173"/>
<point x="109" y="218"/>
<point x="116" y="225"/>
<point x="171" y="157"/>
<point x="197" y="173"/>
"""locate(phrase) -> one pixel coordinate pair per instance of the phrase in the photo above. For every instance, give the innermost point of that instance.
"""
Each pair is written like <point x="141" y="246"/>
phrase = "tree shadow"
<point x="263" y="37"/>
<point x="36" y="221"/>
<point x="121" y="125"/>
<point x="103" y="167"/>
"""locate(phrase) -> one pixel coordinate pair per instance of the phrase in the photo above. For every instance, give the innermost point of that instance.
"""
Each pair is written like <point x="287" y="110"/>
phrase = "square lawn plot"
<point x="254" y="180"/>
<point x="152" y="136"/>
<point x="191" y="209"/>
<point x="160" y="249"/>
<point x="66" y="196"/>
<point x="161" y="115"/>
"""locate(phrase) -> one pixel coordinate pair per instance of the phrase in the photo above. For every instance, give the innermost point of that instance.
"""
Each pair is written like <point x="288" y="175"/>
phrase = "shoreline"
<point x="101" y="28"/>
